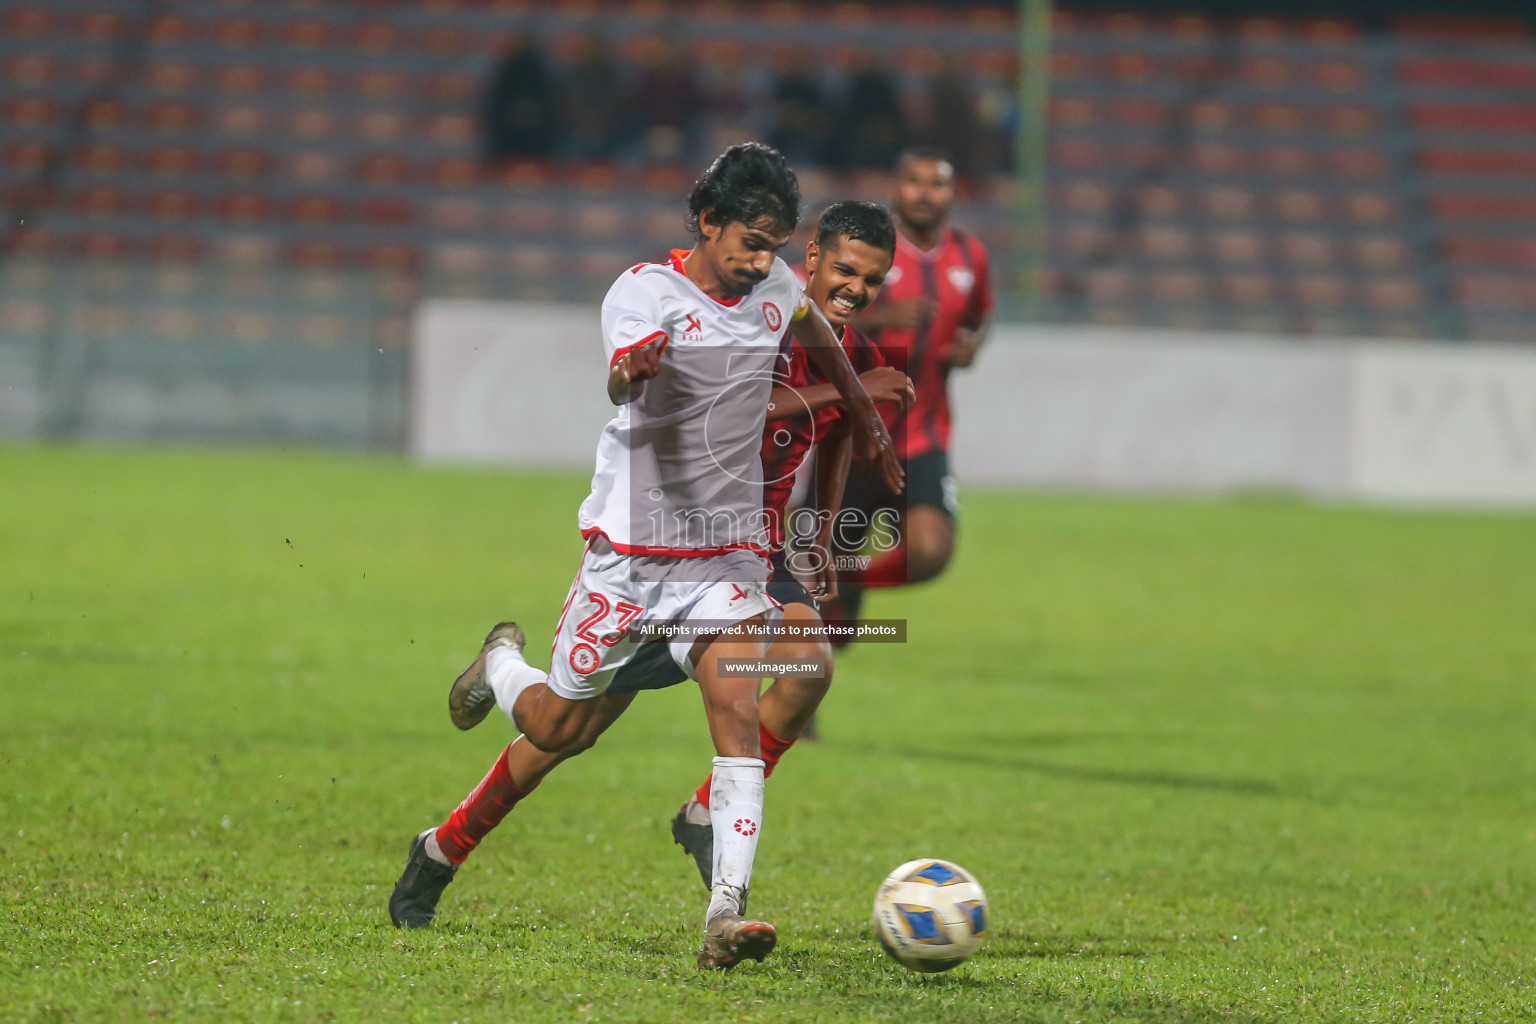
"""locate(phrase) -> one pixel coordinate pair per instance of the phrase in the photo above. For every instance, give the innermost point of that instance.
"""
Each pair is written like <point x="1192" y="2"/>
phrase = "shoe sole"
<point x="750" y="940"/>
<point x="464" y="714"/>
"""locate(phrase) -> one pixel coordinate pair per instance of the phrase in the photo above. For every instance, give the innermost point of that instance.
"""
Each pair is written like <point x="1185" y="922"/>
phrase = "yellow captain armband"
<point x="802" y="308"/>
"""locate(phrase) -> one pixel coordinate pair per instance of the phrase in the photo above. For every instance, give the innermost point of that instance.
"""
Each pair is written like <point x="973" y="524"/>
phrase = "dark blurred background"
<point x="217" y="183"/>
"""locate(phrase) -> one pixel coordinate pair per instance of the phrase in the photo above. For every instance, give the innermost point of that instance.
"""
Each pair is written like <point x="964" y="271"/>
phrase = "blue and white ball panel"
<point x="930" y="915"/>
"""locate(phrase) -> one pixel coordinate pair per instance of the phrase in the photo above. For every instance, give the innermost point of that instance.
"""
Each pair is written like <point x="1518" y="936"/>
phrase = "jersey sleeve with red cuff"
<point x="632" y="317"/>
<point x="787" y="442"/>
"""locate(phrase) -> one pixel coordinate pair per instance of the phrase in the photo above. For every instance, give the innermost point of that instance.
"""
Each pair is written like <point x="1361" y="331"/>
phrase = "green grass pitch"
<point x="1246" y="759"/>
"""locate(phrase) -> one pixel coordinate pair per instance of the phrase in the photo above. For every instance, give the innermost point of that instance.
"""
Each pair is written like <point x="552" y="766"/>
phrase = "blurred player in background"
<point x="676" y="500"/>
<point x="931" y="318"/>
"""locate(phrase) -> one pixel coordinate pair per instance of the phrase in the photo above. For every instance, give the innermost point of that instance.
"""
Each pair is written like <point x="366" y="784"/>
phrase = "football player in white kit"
<point x="675" y="531"/>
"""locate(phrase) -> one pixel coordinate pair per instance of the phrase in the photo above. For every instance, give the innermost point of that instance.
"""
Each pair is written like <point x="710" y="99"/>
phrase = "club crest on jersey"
<point x="693" y="330"/>
<point x="963" y="278"/>
<point x="772" y="317"/>
<point x="584" y="659"/>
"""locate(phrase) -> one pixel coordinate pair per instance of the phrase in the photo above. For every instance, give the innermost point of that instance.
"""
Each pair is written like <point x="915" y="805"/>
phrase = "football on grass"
<point x="930" y="915"/>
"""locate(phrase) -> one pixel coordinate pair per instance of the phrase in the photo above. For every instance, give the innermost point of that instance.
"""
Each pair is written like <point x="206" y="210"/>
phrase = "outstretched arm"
<point x="872" y="441"/>
<point x="834" y="456"/>
<point x="884" y="384"/>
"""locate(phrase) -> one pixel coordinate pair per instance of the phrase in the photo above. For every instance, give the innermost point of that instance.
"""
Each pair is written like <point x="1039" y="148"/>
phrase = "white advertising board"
<point x="1068" y="407"/>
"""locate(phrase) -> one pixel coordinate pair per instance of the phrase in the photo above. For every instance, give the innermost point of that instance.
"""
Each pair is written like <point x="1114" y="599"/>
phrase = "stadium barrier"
<point x="1063" y="407"/>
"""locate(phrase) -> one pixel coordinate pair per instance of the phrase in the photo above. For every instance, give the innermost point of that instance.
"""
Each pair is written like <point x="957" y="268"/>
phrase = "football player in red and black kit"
<point x="930" y="318"/>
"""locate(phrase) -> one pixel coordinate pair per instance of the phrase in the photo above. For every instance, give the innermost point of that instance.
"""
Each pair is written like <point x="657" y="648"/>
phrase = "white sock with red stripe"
<point x="736" y="812"/>
<point x="509" y="674"/>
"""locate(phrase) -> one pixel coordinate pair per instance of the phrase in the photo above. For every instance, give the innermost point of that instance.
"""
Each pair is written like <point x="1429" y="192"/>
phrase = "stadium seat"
<point x="1338" y="76"/>
<point x="243" y="164"/>
<point x="1371" y="208"/>
<point x="173" y="323"/>
<point x="244" y="208"/>
<point x="1230" y="203"/>
<point x="241" y="79"/>
<point x="34" y="110"/>
<point x="169" y="29"/>
<point x="234" y="34"/>
<point x="1355" y="162"/>
<point x="29" y="23"/>
<point x="1219" y="159"/>
<point x="1321" y="291"/>
<point x="1167" y="244"/>
<point x="1086" y="198"/>
<point x="317" y="210"/>
<point x="382" y="169"/>
<point x="1270" y="74"/>
<point x="1236" y="246"/>
<point x="1177" y="286"/>
<point x="1380" y="252"/>
<point x="29" y="71"/>
<point x="102" y="159"/>
<point x="1393" y="294"/>
<point x="101" y="201"/>
<point x="1306" y="249"/>
<point x="169" y="118"/>
<point x="314" y="166"/>
<point x="375" y="38"/>
<point x="533" y="217"/>
<point x="310" y="123"/>
<point x="1109" y="284"/>
<point x="1468" y="73"/>
<point x="170" y="162"/>
<point x="1248" y="289"/>
<point x="1299" y="206"/>
<point x="99" y="26"/>
<point x="240" y="120"/>
<point x="171" y="77"/>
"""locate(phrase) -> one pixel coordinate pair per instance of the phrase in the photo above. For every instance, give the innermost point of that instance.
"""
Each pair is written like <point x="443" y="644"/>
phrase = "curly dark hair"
<point x="862" y="222"/>
<point x="748" y="183"/>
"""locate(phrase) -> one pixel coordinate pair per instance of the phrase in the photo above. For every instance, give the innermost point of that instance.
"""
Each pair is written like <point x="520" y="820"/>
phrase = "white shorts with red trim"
<point x="615" y="596"/>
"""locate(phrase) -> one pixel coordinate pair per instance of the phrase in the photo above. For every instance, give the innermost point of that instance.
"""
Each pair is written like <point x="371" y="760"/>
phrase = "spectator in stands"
<point x="869" y="121"/>
<point x="597" y="99"/>
<point x="522" y="106"/>
<point x="801" y="118"/>
<point x="671" y="103"/>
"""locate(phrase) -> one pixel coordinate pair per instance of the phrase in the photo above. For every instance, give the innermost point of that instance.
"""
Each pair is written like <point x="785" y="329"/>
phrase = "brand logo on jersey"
<point x="693" y="324"/>
<point x="746" y="826"/>
<point x="961" y="277"/>
<point x="739" y="594"/>
<point x="772" y="316"/>
<point x="584" y="659"/>
<point x="893" y="275"/>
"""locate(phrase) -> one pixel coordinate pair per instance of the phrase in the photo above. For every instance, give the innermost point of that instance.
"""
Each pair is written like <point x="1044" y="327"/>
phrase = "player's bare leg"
<point x="927" y="542"/>
<point x="784" y="710"/>
<point x="736" y="798"/>
<point x="436" y="854"/>
<point x="501" y="677"/>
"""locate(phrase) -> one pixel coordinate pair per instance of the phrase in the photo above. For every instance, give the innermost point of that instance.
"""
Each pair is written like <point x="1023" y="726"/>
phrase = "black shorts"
<point x="928" y="484"/>
<point x="783" y="587"/>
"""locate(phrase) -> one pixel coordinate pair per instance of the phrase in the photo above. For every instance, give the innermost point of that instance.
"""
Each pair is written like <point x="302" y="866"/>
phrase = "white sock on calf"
<point x="509" y="674"/>
<point x="736" y="812"/>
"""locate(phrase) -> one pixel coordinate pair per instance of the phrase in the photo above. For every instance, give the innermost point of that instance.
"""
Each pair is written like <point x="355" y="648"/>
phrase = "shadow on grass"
<point x="1084" y="773"/>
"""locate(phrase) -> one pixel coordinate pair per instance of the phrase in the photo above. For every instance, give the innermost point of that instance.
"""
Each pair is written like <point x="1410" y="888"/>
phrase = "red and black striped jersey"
<point x="787" y="442"/>
<point x="955" y="274"/>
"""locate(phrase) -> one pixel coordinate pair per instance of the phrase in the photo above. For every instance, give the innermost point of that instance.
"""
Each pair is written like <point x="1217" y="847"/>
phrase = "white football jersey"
<point x="679" y="469"/>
